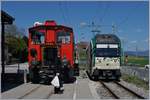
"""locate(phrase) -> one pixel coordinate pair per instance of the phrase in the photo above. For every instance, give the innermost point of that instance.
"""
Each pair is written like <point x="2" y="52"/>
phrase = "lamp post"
<point x="122" y="48"/>
<point x="122" y="41"/>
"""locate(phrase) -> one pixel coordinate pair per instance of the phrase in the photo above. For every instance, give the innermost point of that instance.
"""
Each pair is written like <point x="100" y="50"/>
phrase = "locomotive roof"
<point x="107" y="38"/>
<point x="50" y="27"/>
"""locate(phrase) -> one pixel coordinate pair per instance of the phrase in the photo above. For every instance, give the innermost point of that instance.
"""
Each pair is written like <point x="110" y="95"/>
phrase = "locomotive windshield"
<point x="105" y="50"/>
<point x="37" y="37"/>
<point x="63" y="37"/>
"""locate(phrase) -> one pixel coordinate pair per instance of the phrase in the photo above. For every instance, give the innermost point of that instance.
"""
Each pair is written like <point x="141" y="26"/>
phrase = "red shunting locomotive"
<point x="51" y="48"/>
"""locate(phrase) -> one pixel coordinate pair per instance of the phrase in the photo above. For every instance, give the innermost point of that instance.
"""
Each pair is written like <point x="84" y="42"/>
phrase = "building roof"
<point x="6" y="18"/>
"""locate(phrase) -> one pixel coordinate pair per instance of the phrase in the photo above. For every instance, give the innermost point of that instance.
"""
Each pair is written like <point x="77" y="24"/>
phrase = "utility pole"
<point x="122" y="51"/>
<point x="96" y="28"/>
<point x="136" y="50"/>
<point x="113" y="29"/>
<point x="82" y="37"/>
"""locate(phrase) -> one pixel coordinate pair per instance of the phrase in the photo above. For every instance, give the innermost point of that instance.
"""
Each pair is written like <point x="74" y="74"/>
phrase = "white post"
<point x="25" y="76"/>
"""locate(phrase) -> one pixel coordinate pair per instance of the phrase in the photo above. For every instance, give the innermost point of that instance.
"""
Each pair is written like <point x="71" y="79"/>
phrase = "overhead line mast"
<point x="96" y="28"/>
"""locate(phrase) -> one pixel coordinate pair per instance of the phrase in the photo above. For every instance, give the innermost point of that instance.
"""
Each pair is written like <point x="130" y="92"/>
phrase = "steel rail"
<point x="110" y="91"/>
<point x="134" y="93"/>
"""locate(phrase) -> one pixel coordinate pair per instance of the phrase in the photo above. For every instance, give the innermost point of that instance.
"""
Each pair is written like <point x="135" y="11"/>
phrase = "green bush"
<point x="138" y="82"/>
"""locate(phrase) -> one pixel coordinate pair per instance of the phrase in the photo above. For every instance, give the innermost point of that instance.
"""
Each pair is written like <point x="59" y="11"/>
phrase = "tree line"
<point x="16" y="44"/>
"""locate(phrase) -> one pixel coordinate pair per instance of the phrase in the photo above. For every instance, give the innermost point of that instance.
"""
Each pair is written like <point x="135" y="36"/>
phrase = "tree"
<point x="17" y="43"/>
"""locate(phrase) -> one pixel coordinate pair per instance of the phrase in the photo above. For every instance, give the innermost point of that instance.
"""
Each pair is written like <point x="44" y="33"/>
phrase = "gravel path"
<point x="139" y="90"/>
<point x="104" y="94"/>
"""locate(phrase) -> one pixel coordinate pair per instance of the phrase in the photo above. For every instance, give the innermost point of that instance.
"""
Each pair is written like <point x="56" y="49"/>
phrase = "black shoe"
<point x="62" y="88"/>
<point x="60" y="92"/>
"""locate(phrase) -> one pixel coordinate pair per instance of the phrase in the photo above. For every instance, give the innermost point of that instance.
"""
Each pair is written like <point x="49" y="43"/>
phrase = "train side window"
<point x="63" y="37"/>
<point x="42" y="39"/>
<point x="37" y="37"/>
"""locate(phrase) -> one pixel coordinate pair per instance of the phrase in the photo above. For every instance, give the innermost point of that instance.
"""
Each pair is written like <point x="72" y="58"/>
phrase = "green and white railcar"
<point x="104" y="57"/>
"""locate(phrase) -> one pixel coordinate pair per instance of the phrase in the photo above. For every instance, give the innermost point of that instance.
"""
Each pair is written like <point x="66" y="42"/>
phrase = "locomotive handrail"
<point x="50" y="44"/>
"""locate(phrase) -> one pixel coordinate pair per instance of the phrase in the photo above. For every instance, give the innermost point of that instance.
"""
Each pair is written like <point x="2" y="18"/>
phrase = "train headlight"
<point x="99" y="60"/>
<point x="115" y="60"/>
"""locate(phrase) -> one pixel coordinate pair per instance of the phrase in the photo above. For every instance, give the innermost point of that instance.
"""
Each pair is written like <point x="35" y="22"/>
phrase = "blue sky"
<point x="130" y="18"/>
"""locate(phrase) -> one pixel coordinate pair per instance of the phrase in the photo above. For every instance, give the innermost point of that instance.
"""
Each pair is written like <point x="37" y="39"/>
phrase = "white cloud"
<point x="133" y="41"/>
<point x="146" y="40"/>
<point x="83" y="23"/>
<point x="120" y="31"/>
<point x="138" y="30"/>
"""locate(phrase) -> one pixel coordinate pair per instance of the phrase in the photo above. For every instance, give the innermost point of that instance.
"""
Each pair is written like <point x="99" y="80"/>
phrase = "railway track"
<point x="119" y="91"/>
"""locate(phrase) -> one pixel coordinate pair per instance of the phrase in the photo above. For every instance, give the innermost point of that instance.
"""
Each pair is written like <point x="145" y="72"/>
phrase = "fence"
<point x="141" y="73"/>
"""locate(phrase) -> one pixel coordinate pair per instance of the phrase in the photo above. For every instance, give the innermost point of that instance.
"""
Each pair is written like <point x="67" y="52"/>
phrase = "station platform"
<point x="80" y="89"/>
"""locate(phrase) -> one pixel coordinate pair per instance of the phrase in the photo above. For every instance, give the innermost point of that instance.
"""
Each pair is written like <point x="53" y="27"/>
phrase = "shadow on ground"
<point x="10" y="81"/>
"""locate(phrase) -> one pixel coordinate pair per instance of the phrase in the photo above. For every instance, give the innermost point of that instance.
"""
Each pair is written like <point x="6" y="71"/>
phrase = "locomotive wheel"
<point x="76" y="69"/>
<point x="96" y="78"/>
<point x="118" y="79"/>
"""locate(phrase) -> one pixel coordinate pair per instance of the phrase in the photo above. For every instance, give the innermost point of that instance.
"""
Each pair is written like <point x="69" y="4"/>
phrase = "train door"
<point x="49" y="56"/>
<point x="49" y="63"/>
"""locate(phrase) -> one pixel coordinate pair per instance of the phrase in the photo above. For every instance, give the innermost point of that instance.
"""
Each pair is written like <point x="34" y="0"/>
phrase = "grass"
<point x="82" y="55"/>
<point x="141" y="61"/>
<point x="138" y="82"/>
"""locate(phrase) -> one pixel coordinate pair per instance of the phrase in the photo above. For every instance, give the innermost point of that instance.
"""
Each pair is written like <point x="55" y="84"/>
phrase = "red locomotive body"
<point x="49" y="43"/>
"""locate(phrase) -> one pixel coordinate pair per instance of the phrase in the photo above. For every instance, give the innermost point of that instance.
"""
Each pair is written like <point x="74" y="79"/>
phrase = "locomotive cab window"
<point x="63" y="37"/>
<point x="37" y="37"/>
<point x="107" y="50"/>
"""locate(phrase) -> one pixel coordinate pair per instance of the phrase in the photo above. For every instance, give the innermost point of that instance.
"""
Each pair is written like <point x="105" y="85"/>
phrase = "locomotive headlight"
<point x="98" y="60"/>
<point x="116" y="60"/>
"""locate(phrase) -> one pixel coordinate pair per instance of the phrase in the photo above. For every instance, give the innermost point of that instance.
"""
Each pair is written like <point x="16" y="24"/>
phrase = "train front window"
<point x="37" y="37"/>
<point x="63" y="37"/>
<point x="107" y="51"/>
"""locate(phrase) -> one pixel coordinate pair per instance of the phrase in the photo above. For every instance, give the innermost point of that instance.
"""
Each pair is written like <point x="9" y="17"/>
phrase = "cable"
<point x="61" y="10"/>
<point x="104" y="12"/>
<point x="127" y="17"/>
<point x="67" y="13"/>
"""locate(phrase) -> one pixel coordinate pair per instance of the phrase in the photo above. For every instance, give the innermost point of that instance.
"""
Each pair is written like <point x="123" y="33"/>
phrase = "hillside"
<point x="139" y="53"/>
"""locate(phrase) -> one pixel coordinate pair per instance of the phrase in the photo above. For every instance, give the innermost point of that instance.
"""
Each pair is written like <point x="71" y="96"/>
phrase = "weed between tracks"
<point x="138" y="82"/>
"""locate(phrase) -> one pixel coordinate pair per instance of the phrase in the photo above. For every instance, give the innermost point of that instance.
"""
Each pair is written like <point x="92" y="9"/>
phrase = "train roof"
<point x="107" y="38"/>
<point x="50" y="27"/>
